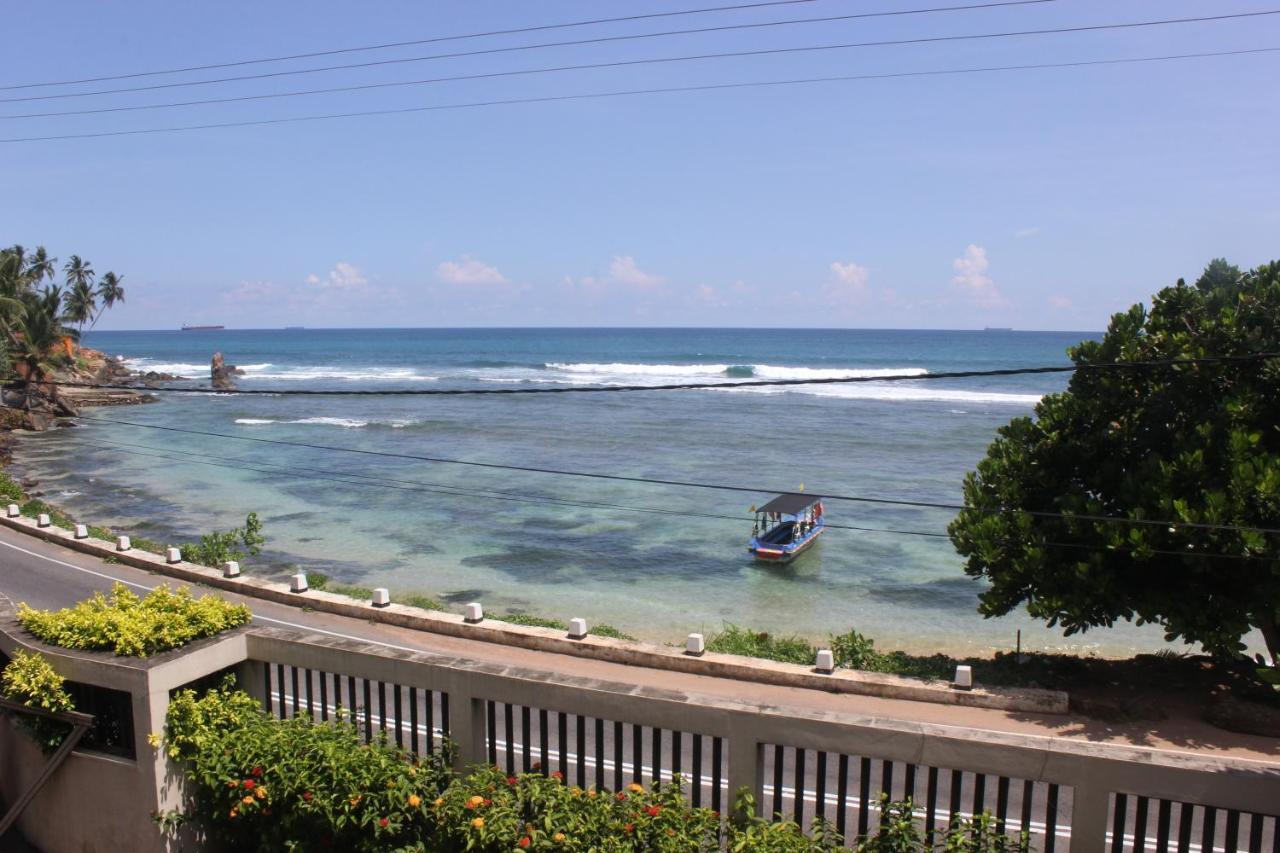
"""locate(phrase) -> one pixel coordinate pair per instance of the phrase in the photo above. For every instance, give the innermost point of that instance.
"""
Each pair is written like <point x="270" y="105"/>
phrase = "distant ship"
<point x="187" y="328"/>
<point x="998" y="329"/>
<point x="294" y="328"/>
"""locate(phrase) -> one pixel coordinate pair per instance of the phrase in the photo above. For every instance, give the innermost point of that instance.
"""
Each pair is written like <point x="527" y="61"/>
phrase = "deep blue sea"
<point x="645" y="558"/>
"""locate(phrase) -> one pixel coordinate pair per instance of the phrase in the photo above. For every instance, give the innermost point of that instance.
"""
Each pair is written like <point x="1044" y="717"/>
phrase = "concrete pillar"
<point x="746" y="767"/>
<point x="577" y="628"/>
<point x="826" y="661"/>
<point x="13" y="511"/>
<point x="231" y="569"/>
<point x="123" y="543"/>
<point x="1089" y="812"/>
<point x="695" y="645"/>
<point x="82" y="531"/>
<point x="43" y="520"/>
<point x="474" y="612"/>
<point x="298" y="582"/>
<point x="381" y="597"/>
<point x="173" y="555"/>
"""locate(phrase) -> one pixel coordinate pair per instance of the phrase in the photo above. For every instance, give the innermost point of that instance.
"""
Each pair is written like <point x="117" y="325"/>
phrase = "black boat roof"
<point x="790" y="504"/>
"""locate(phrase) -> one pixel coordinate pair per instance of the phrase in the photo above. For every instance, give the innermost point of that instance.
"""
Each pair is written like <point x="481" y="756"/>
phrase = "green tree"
<point x="80" y="305"/>
<point x="1194" y="444"/>
<point x="35" y="334"/>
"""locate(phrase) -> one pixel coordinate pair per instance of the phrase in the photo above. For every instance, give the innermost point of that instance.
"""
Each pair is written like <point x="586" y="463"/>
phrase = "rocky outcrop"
<point x="221" y="373"/>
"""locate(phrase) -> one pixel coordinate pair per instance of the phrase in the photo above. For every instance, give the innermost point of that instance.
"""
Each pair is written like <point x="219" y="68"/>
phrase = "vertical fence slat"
<point x="778" y="754"/>
<point x="617" y="755"/>
<point x="543" y="738"/>
<point x="930" y="804"/>
<point x="1141" y="805"/>
<point x="1051" y="819"/>
<point x="1119" y="816"/>
<point x="864" y="794"/>
<point x="324" y="696"/>
<point x="697" y="769"/>
<point x="398" y="716"/>
<point x="1232" y="836"/>
<point x="337" y="696"/>
<point x="491" y="719"/>
<point x="311" y="703"/>
<point x="562" y="745"/>
<point x="1028" y="796"/>
<point x="717" y="756"/>
<point x="444" y="713"/>
<point x="1186" y="815"/>
<point x="842" y="792"/>
<point x="979" y="794"/>
<point x="677" y="752"/>
<point x="368" y="713"/>
<point x="655" y="749"/>
<point x="1255" y="833"/>
<point x="580" y="726"/>
<point x="1208" y="829"/>
<point x="413" y="719"/>
<point x="909" y="782"/>
<point x="886" y="781"/>
<point x="599" y="754"/>
<point x="508" y="720"/>
<point x="266" y="686"/>
<point x="957" y="782"/>
<point x="525" y="737"/>
<point x="1002" y="804"/>
<point x="1163" y="813"/>
<point x="294" y="703"/>
<point x="637" y="754"/>
<point x="797" y="788"/>
<point x="820" y="786"/>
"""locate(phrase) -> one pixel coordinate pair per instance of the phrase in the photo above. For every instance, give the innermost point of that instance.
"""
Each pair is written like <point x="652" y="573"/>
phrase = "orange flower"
<point x="414" y="801"/>
<point x="233" y="813"/>
<point x="248" y="801"/>
<point x="558" y="838"/>
<point x="635" y="789"/>
<point x="478" y="823"/>
<point x="261" y="793"/>
<point x="439" y="802"/>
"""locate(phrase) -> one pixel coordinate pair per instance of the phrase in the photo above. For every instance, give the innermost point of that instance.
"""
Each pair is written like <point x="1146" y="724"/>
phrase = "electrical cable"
<point x="478" y="76"/>
<point x="366" y="481"/>
<point x="595" y="475"/>
<point x="387" y="45"/>
<point x="665" y="90"/>
<point x="685" y="386"/>
<point x="626" y="63"/>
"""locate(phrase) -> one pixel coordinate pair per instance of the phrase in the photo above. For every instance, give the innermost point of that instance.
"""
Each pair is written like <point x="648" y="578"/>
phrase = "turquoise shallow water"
<point x="639" y="556"/>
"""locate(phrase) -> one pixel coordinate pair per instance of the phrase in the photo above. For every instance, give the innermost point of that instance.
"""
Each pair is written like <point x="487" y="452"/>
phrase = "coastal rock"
<point x="220" y="373"/>
<point x="1242" y="715"/>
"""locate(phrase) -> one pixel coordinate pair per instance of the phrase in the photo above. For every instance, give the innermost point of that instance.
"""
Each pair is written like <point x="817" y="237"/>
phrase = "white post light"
<point x="231" y="569"/>
<point x="381" y="597"/>
<point x="43" y="520"/>
<point x="474" y="612"/>
<point x="173" y="555"/>
<point x="298" y="582"/>
<point x="123" y="543"/>
<point x="826" y="661"/>
<point x="577" y="628"/>
<point x="82" y="531"/>
<point x="964" y="677"/>
<point x="695" y="645"/>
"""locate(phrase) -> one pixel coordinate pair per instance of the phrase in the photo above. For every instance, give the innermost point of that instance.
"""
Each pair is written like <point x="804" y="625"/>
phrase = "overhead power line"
<point x="775" y="51"/>
<point x="595" y="475"/>
<point x="665" y="90"/>
<point x="367" y="481"/>
<point x="694" y="386"/>
<point x="528" y="47"/>
<point x="415" y="42"/>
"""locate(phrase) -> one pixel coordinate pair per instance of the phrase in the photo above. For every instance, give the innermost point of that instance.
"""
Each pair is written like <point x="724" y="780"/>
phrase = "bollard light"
<point x="43" y="520"/>
<point x="123" y="543"/>
<point x="473" y="612"/>
<point x="577" y="628"/>
<point x="14" y="510"/>
<point x="826" y="661"/>
<point x="82" y="531"/>
<point x="231" y="569"/>
<point x="298" y="582"/>
<point x="173" y="555"/>
<point x="695" y="645"/>
<point x="381" y="597"/>
<point x="964" y="677"/>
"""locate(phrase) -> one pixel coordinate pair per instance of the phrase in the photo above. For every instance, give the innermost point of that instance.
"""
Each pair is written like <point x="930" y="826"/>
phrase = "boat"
<point x="998" y="329"/>
<point x="786" y="526"/>
<point x="187" y="328"/>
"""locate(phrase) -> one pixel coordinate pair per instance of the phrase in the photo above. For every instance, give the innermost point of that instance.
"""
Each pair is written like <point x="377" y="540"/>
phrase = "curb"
<point x="633" y="653"/>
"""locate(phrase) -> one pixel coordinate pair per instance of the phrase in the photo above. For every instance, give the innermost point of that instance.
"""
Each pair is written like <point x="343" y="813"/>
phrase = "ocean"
<point x="656" y="561"/>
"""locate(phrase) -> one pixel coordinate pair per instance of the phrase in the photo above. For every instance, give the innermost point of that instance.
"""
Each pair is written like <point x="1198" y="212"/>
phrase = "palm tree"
<point x="80" y="304"/>
<point x="35" y="336"/>
<point x="78" y="272"/>
<point x="110" y="292"/>
<point x="40" y="266"/>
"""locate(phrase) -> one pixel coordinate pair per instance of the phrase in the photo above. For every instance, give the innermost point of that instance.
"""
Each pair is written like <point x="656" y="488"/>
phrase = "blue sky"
<point x="1043" y="199"/>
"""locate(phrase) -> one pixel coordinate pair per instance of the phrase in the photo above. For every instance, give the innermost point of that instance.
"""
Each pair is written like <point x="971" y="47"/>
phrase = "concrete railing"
<point x="797" y="762"/>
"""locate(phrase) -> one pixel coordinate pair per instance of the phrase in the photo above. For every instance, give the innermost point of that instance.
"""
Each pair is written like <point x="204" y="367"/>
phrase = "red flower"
<point x="536" y="766"/>
<point x="383" y="822"/>
<point x="256" y="771"/>
<point x="620" y="796"/>
<point x="249" y="784"/>
<point x="556" y="774"/>
<point x="306" y="795"/>
<point x="488" y="803"/>
<point x="631" y="827"/>
<point x="523" y="842"/>
<point x="511" y="780"/>
<point x="652" y="811"/>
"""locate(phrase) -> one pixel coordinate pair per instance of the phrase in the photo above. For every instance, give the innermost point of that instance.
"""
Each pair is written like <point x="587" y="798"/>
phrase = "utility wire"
<point x="366" y="481"/>
<point x="387" y="45"/>
<point x="689" y="386"/>
<point x="666" y="90"/>
<point x="595" y="475"/>
<point x="661" y="60"/>
<point x="523" y="48"/>
<point x="481" y="76"/>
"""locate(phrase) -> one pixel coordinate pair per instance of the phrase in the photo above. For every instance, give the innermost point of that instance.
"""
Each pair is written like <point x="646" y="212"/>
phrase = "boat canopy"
<point x="791" y="504"/>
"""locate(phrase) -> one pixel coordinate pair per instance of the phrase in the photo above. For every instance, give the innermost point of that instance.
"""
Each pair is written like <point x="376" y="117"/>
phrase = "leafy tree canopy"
<point x="1193" y="443"/>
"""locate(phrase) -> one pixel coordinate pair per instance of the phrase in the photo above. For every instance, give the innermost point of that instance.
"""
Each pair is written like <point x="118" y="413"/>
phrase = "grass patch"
<point x="103" y="533"/>
<point x="10" y="490"/>
<point x="733" y="640"/>
<point x="420" y="600"/>
<point x="364" y="593"/>
<point x="532" y="621"/>
<point x="35" y="507"/>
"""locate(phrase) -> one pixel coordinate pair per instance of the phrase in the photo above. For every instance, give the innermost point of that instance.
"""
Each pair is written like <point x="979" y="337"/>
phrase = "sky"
<point x="1036" y="199"/>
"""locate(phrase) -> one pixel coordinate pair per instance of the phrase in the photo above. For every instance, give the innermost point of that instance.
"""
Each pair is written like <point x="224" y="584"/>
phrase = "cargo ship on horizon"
<point x="187" y="328"/>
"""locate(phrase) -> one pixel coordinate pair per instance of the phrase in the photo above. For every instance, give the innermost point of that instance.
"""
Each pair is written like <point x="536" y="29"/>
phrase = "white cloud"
<point x="624" y="271"/>
<point x="1023" y="233"/>
<point x="1060" y="303"/>
<point x="469" y="270"/>
<point x="343" y="276"/>
<point x="851" y="275"/>
<point x="972" y="281"/>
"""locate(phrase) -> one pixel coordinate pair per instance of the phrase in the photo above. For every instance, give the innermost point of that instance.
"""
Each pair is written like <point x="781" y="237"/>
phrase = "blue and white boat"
<point x="786" y="526"/>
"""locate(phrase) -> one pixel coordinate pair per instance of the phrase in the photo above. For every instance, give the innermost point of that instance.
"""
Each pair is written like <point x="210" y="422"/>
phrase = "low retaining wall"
<point x="548" y="640"/>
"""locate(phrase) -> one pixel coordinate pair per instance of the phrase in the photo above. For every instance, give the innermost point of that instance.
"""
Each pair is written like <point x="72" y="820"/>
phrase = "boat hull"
<point x="770" y="553"/>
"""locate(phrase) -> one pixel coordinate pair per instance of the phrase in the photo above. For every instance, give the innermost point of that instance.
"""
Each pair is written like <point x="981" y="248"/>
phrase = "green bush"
<point x="9" y="490"/>
<point x="28" y="678"/>
<point x="129" y="625"/>
<point x="35" y="506"/>
<point x="733" y="640"/>
<point x="218" y="547"/>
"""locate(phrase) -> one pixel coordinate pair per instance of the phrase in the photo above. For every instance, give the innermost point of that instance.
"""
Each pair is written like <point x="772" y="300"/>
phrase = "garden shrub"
<point x="128" y="625"/>
<point x="28" y="678"/>
<point x="218" y="547"/>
